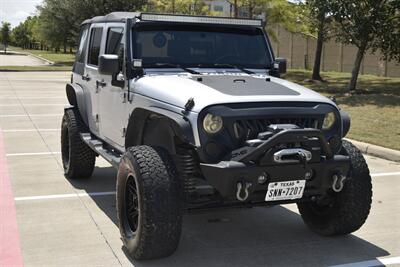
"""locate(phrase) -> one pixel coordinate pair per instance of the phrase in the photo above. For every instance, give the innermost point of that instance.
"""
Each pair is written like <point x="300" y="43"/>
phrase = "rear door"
<point x="91" y="76"/>
<point x="112" y="108"/>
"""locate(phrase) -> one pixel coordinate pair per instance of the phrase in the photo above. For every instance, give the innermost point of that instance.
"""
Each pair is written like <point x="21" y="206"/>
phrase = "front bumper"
<point x="248" y="163"/>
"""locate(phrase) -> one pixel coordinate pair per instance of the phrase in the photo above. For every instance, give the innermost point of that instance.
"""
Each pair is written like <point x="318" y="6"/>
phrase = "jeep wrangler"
<point x="193" y="114"/>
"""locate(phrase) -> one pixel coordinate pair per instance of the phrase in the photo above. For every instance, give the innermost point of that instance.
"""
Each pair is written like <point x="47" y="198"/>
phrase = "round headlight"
<point x="212" y="123"/>
<point x="329" y="120"/>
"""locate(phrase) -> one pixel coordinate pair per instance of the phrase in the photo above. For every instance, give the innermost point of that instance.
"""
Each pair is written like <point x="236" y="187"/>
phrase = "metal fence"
<point x="299" y="51"/>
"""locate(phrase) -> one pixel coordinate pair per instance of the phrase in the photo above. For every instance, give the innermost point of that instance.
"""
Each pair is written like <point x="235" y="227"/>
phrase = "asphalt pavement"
<point x="73" y="223"/>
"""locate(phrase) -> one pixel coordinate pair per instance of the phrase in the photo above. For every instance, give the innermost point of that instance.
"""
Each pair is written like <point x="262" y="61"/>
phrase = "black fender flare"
<point x="76" y="98"/>
<point x="346" y="122"/>
<point x="179" y="125"/>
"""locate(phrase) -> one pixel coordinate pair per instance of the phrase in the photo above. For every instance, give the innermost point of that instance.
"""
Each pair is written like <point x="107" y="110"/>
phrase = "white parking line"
<point x="32" y="154"/>
<point x="33" y="97"/>
<point x="93" y="194"/>
<point x="29" y="130"/>
<point x="372" y="263"/>
<point x="30" y="105"/>
<point x="385" y="174"/>
<point x="30" y="115"/>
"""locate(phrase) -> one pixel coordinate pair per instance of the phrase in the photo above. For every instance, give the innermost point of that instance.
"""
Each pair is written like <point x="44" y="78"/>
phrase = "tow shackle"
<point x="242" y="192"/>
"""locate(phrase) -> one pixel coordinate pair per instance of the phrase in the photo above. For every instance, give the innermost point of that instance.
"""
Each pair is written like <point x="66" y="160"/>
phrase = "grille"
<point x="250" y="128"/>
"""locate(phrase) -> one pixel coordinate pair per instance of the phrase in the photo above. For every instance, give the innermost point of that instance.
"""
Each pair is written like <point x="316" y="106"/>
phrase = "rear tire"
<point x="149" y="195"/>
<point x="349" y="208"/>
<point x="78" y="159"/>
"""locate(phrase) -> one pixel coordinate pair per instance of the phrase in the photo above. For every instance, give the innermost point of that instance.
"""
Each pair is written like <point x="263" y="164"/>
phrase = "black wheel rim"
<point x="65" y="150"/>
<point x="132" y="204"/>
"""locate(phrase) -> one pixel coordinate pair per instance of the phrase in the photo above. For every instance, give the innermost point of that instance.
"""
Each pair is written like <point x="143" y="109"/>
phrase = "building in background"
<point x="221" y="6"/>
<point x="226" y="9"/>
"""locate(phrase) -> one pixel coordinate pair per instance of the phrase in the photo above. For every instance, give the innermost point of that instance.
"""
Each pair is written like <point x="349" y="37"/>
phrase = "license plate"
<point x="285" y="190"/>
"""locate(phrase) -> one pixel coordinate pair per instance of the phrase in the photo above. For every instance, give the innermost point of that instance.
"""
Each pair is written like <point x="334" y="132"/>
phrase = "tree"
<point x="282" y="12"/>
<point x="192" y="7"/>
<point x="320" y="23"/>
<point x="55" y="18"/>
<point x="19" y="36"/>
<point x="5" y="35"/>
<point x="59" y="20"/>
<point x="388" y="41"/>
<point x="290" y="16"/>
<point x="365" y="24"/>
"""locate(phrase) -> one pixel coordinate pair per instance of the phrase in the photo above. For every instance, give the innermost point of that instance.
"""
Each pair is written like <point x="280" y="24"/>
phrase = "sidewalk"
<point x="19" y="59"/>
<point x="378" y="151"/>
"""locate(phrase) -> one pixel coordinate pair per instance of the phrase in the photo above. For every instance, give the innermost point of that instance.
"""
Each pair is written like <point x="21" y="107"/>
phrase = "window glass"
<point x="94" y="47"/>
<point x="81" y="52"/>
<point x="195" y="46"/>
<point x="115" y="44"/>
<point x="114" y="41"/>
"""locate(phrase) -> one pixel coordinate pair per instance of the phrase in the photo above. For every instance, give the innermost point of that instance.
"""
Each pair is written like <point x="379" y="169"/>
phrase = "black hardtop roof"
<point x="123" y="16"/>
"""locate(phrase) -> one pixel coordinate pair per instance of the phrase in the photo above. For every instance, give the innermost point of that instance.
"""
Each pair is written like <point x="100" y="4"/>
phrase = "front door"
<point x="113" y="118"/>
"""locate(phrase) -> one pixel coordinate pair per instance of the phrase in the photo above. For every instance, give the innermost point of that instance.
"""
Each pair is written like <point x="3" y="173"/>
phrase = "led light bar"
<point x="200" y="19"/>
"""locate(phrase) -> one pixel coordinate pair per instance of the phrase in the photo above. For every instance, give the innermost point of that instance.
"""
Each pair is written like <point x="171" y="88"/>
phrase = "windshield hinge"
<point x="188" y="106"/>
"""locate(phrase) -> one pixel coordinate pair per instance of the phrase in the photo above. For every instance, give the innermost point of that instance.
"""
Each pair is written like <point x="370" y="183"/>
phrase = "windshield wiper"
<point x="233" y="66"/>
<point x="177" y="66"/>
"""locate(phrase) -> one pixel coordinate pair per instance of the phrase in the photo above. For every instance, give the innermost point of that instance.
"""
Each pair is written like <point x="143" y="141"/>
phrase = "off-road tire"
<point x="350" y="207"/>
<point x="78" y="159"/>
<point x="154" y="228"/>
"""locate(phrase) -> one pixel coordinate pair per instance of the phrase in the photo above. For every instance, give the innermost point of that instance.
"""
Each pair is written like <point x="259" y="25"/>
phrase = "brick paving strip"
<point x="10" y="250"/>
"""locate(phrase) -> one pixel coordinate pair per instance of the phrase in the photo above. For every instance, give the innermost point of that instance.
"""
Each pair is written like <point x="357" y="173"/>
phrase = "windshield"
<point x="201" y="46"/>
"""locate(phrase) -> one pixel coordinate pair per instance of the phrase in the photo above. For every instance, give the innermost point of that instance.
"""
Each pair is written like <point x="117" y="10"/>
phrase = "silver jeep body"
<point x="155" y="105"/>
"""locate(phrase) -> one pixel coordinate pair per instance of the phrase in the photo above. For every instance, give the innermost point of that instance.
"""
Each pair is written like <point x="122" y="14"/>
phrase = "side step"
<point x="98" y="146"/>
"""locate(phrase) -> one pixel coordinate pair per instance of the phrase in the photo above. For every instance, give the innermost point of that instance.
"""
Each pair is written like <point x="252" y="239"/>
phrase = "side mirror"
<point x="108" y="64"/>
<point x="280" y="65"/>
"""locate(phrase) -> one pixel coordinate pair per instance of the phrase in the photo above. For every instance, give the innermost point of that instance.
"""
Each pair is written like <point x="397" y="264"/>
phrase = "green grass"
<point x="59" y="59"/>
<point x="35" y="68"/>
<point x="374" y="110"/>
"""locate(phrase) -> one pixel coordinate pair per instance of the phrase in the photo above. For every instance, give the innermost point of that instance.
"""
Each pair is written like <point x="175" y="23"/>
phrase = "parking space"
<point x="73" y="223"/>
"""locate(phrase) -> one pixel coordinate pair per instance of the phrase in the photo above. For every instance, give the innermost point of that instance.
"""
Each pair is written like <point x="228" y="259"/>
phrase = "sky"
<point x="16" y="11"/>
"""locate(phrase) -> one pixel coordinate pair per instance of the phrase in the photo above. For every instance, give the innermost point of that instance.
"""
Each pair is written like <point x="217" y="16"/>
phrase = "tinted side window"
<point x="81" y="52"/>
<point x="114" y="41"/>
<point x="115" y="44"/>
<point x="94" y="47"/>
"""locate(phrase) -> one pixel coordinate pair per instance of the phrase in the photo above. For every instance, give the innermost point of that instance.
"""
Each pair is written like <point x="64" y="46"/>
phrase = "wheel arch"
<point x="159" y="127"/>
<point x="76" y="98"/>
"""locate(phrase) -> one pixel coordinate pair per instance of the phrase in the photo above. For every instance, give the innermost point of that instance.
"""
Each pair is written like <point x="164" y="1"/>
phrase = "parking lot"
<point x="73" y="223"/>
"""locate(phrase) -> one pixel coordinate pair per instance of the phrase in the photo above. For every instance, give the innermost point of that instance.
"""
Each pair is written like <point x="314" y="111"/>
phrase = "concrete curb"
<point x="378" y="151"/>
<point x="41" y="58"/>
<point x="38" y="57"/>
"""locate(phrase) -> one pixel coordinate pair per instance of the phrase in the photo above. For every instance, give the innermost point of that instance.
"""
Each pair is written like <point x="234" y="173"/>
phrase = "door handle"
<point x="101" y="83"/>
<point x="86" y="77"/>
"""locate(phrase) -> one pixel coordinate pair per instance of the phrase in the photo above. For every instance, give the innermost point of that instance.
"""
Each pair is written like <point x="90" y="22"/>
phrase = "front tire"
<point x="78" y="159"/>
<point x="348" y="209"/>
<point x="149" y="203"/>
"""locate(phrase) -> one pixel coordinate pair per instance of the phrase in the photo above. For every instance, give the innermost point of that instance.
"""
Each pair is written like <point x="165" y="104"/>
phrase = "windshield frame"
<point x="148" y="25"/>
